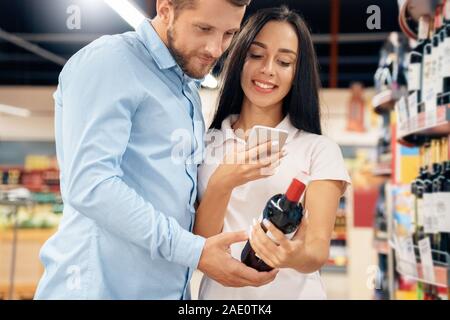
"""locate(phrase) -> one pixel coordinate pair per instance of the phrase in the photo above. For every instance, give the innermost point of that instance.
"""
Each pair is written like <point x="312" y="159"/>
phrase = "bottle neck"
<point x="286" y="204"/>
<point x="446" y="12"/>
<point x="424" y="28"/>
<point x="438" y="23"/>
<point x="295" y="191"/>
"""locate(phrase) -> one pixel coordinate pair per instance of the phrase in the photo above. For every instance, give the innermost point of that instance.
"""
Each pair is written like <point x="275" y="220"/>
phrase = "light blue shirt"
<point x="129" y="136"/>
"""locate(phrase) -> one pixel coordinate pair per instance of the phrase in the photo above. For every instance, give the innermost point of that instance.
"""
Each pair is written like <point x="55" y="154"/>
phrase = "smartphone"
<point x="261" y="134"/>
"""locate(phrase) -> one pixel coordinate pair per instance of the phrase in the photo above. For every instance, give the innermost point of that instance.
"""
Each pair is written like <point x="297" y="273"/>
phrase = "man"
<point x="129" y="203"/>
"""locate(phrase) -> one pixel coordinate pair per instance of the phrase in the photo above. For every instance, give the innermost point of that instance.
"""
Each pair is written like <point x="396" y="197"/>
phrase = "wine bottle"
<point x="445" y="70"/>
<point x="285" y="212"/>
<point x="437" y="52"/>
<point x="415" y="64"/>
<point x="443" y="203"/>
<point x="445" y="222"/>
<point x="427" y="74"/>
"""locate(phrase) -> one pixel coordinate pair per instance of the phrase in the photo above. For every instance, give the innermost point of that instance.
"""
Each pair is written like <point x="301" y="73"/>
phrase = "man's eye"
<point x="205" y="29"/>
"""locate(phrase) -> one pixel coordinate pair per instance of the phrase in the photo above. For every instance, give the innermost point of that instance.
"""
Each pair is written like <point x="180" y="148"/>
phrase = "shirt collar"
<point x="226" y="128"/>
<point x="159" y="51"/>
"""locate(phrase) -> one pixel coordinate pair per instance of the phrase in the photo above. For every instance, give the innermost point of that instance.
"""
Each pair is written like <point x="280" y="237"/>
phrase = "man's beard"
<point x="183" y="58"/>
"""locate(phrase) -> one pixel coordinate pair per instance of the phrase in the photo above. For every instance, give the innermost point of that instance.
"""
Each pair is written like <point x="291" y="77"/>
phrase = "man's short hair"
<point x="190" y="4"/>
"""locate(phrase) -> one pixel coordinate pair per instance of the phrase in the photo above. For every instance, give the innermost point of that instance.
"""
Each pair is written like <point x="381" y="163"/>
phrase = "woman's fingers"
<point x="264" y="246"/>
<point x="277" y="234"/>
<point x="268" y="161"/>
<point x="259" y="251"/>
<point x="262" y="151"/>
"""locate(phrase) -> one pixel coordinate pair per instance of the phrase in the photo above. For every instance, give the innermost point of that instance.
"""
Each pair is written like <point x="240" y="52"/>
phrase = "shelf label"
<point x="414" y="72"/>
<point x="412" y="104"/>
<point x="430" y="106"/>
<point x="426" y="260"/>
<point x="406" y="258"/>
<point x="429" y="216"/>
<point x="443" y="211"/>
<point x="402" y="110"/>
<point x="446" y="54"/>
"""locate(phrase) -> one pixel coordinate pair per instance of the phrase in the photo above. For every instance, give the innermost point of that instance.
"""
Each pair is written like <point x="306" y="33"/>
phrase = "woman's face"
<point x="269" y="68"/>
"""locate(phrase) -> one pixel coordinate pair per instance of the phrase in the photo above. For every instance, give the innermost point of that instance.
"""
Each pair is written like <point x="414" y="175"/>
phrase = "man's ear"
<point x="164" y="10"/>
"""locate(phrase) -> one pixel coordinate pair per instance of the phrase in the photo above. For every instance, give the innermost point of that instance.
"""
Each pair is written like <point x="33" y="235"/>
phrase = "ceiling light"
<point x="14" y="111"/>
<point x="129" y="12"/>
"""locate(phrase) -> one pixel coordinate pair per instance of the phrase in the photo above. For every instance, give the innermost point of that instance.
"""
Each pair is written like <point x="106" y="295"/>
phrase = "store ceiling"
<point x="43" y="23"/>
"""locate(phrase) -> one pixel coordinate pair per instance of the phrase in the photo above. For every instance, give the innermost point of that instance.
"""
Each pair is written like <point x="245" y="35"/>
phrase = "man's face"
<point x="198" y="37"/>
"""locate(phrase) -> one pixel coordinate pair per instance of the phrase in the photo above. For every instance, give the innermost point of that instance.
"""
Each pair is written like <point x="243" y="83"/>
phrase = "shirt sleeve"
<point x="98" y="104"/>
<point x="327" y="162"/>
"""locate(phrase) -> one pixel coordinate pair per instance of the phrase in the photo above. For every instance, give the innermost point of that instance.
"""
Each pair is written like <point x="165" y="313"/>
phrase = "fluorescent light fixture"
<point x="210" y="82"/>
<point x="14" y="111"/>
<point x="132" y="15"/>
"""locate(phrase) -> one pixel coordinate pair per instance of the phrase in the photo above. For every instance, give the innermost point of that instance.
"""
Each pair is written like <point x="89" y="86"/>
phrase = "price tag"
<point x="412" y="104"/>
<point x="427" y="212"/>
<point x="426" y="260"/>
<point x="402" y="110"/>
<point x="407" y="257"/>
<point x="443" y="211"/>
<point x="430" y="107"/>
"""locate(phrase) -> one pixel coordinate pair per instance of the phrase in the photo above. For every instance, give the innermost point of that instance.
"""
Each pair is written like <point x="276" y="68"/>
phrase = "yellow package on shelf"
<point x="39" y="162"/>
<point x="405" y="295"/>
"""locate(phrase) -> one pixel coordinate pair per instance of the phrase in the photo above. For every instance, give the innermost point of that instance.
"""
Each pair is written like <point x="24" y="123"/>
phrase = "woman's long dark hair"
<point x="302" y="102"/>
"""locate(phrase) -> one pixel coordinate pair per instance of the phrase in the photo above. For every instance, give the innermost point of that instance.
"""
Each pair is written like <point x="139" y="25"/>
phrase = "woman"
<point x="271" y="79"/>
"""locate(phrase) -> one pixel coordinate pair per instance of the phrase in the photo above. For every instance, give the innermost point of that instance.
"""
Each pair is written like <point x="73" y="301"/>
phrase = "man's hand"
<point x="218" y="264"/>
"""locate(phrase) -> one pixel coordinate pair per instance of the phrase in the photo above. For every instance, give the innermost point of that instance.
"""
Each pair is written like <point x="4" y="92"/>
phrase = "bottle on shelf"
<point x="445" y="52"/>
<point x="427" y="87"/>
<point x="437" y="52"/>
<point x="415" y="64"/>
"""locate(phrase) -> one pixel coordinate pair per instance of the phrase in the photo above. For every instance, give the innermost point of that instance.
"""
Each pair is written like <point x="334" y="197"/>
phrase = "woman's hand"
<point x="278" y="252"/>
<point x="241" y="166"/>
<point x="308" y="250"/>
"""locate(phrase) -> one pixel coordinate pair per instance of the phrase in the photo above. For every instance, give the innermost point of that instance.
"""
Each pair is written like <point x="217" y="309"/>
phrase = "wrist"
<point x="203" y="254"/>
<point x="219" y="185"/>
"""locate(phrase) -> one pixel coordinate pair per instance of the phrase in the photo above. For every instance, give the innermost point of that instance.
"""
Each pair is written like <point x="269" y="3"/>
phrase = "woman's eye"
<point x="255" y="56"/>
<point x="285" y="64"/>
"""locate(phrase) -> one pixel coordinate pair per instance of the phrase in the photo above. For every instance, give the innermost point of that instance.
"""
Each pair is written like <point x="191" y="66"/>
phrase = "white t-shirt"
<point x="316" y="155"/>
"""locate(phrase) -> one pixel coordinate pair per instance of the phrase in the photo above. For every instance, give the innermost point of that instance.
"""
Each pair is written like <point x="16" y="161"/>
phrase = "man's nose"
<point x="215" y="48"/>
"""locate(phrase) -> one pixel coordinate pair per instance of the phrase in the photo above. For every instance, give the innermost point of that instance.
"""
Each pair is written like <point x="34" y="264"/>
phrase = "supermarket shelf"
<point x="440" y="273"/>
<point x="425" y="125"/>
<point x="332" y="268"/>
<point x="27" y="234"/>
<point x="385" y="101"/>
<point x="35" y="189"/>
<point x="441" y="276"/>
